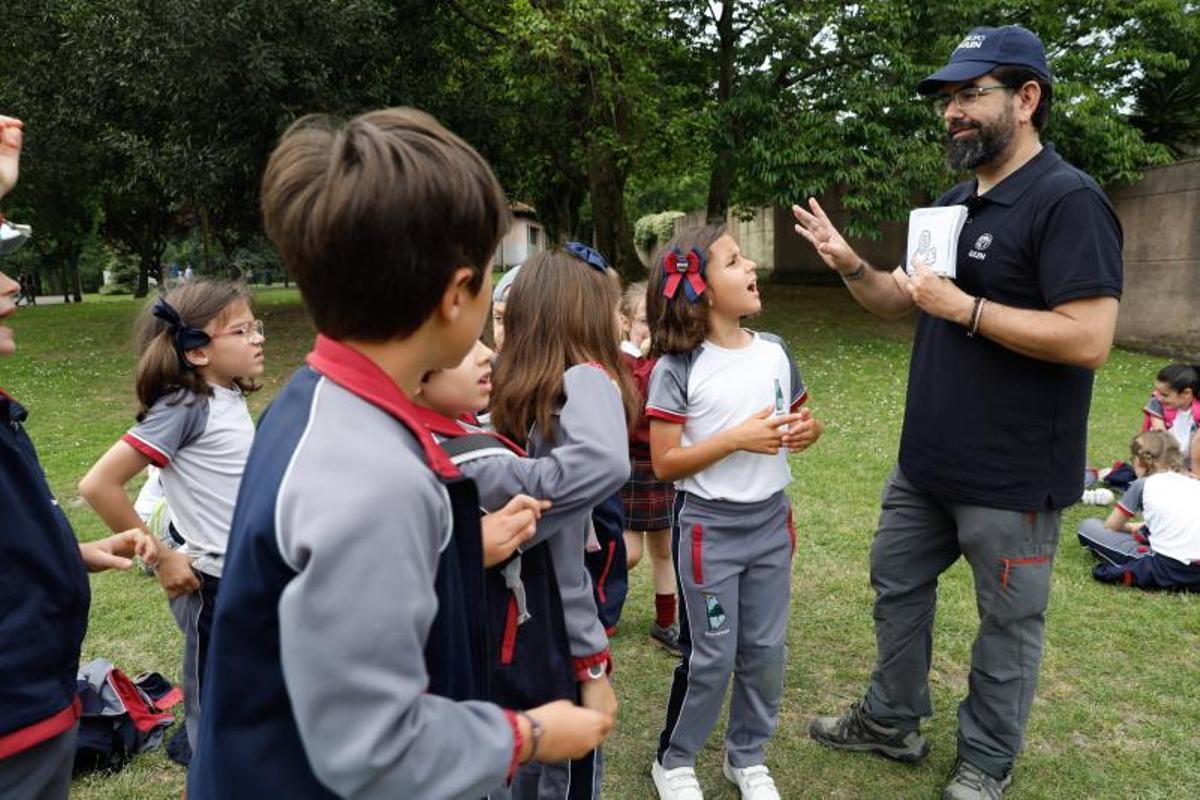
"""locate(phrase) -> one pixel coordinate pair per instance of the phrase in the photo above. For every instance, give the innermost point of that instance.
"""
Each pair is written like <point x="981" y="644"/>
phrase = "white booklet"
<point x="933" y="236"/>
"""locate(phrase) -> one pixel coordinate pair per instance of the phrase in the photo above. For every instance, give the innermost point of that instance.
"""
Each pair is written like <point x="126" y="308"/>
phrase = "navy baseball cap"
<point x="983" y="50"/>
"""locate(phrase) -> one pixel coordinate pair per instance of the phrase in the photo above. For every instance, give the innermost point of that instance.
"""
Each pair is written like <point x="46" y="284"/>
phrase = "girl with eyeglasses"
<point x="200" y="350"/>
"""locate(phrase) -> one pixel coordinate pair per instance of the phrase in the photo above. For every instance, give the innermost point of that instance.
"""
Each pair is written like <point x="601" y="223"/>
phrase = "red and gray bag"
<point x="120" y="717"/>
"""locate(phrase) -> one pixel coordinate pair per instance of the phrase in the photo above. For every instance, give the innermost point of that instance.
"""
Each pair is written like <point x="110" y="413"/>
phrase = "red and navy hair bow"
<point x="687" y="269"/>
<point x="591" y="257"/>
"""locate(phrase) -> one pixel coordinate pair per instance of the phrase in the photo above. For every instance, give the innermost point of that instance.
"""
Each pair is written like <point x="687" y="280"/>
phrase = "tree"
<point x="854" y="121"/>
<point x="1167" y="107"/>
<point x="593" y="109"/>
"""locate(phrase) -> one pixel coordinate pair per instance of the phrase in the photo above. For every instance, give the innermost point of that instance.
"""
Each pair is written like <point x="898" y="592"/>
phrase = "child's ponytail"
<point x="1158" y="451"/>
<point x="170" y="326"/>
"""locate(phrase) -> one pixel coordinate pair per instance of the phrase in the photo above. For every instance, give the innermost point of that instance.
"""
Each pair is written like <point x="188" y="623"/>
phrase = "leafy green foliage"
<point x="654" y="229"/>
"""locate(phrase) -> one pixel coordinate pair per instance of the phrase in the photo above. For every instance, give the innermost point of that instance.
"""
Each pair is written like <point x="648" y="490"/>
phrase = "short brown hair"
<point x="160" y="370"/>
<point x="678" y="325"/>
<point x="372" y="218"/>
<point x="560" y="312"/>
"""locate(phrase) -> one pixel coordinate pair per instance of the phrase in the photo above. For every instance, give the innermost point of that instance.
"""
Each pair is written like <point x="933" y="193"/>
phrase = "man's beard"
<point x="990" y="141"/>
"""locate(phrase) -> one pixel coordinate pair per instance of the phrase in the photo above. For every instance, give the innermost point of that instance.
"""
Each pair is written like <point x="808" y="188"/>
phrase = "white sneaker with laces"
<point x="1098" y="497"/>
<point x="676" y="784"/>
<point x="754" y="783"/>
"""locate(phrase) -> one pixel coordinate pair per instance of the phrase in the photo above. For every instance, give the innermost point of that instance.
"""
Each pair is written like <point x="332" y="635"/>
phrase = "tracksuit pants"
<point x="733" y="566"/>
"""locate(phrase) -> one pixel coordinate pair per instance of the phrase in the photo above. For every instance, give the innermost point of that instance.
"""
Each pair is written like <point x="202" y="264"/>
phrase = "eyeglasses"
<point x="248" y="330"/>
<point x="965" y="98"/>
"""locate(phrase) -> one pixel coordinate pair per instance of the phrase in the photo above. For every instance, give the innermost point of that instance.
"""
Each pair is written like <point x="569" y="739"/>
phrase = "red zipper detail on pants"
<point x="608" y="562"/>
<point x="697" y="566"/>
<point x="509" y="643"/>
<point x="1009" y="563"/>
<point x="791" y="526"/>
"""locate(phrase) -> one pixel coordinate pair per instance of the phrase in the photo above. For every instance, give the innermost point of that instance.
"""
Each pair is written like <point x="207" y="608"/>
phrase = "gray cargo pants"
<point x="1011" y="554"/>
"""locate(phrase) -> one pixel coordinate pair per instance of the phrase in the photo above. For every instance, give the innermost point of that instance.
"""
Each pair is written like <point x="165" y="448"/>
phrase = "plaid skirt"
<point x="646" y="499"/>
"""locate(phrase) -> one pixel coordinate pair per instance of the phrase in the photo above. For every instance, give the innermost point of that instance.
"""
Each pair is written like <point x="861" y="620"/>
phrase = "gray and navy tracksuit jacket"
<point x="44" y="597"/>
<point x="336" y="668"/>
<point x="575" y="472"/>
<point x="592" y="412"/>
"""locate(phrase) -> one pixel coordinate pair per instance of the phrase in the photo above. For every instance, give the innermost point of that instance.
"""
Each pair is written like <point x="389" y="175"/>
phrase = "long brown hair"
<point x="1158" y="451"/>
<point x="560" y="312"/>
<point x="678" y="325"/>
<point x="159" y="370"/>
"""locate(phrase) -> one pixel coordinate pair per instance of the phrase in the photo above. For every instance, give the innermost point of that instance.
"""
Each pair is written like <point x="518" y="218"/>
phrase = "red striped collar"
<point x="442" y="425"/>
<point x="361" y="376"/>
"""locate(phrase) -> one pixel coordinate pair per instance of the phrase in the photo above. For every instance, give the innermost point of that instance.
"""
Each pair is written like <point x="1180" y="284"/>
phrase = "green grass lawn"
<point x="1118" y="707"/>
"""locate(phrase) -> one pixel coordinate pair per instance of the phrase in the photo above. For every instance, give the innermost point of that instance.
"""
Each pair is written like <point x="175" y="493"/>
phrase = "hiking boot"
<point x="855" y="731"/>
<point x="969" y="782"/>
<point x="754" y="783"/>
<point x="668" y="637"/>
<point x="676" y="784"/>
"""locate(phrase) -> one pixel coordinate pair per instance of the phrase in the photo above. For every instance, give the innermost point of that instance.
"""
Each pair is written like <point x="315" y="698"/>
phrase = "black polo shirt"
<point x="985" y="425"/>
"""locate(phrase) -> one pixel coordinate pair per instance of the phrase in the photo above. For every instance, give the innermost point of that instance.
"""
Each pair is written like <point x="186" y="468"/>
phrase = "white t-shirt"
<point x="714" y="388"/>
<point x="1170" y="504"/>
<point x="201" y="445"/>
<point x="1182" y="430"/>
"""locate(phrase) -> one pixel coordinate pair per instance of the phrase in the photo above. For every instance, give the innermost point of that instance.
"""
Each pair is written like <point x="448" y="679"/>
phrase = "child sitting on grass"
<point x="1164" y="552"/>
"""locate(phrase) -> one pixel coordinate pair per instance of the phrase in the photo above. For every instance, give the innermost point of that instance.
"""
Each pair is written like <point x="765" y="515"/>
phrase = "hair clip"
<point x="588" y="255"/>
<point x="686" y="269"/>
<point x="185" y="337"/>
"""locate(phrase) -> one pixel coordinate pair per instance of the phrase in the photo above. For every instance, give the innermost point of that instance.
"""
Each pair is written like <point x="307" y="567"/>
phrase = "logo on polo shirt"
<point x="981" y="244"/>
<point x="972" y="42"/>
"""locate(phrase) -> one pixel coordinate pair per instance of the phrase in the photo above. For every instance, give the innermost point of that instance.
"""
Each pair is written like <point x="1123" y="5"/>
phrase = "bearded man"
<point x="1000" y="382"/>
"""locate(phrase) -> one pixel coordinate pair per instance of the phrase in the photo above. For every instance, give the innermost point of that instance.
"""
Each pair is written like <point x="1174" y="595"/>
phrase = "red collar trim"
<point x="451" y="428"/>
<point x="361" y="376"/>
<point x="438" y="423"/>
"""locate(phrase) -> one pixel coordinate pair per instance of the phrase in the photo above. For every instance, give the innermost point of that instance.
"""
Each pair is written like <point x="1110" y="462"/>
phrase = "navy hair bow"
<point x="185" y="337"/>
<point x="586" y="254"/>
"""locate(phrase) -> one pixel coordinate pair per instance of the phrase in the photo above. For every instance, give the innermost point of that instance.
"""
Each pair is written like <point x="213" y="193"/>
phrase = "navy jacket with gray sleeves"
<point x="317" y="684"/>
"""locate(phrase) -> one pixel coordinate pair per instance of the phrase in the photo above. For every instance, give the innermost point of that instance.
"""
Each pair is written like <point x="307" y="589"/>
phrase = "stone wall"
<point x="1160" y="214"/>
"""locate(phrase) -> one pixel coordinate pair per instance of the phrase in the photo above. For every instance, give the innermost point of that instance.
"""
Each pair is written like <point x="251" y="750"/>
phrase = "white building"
<point x="523" y="239"/>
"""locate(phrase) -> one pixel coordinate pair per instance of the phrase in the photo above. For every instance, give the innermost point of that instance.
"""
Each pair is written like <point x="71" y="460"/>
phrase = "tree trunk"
<point x="143" y="281"/>
<point x="724" y="170"/>
<point x="614" y="234"/>
<point x="206" y="237"/>
<point x="76" y="279"/>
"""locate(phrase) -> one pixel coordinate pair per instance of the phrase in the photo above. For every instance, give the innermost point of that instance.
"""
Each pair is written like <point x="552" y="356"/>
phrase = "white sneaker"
<point x="1098" y="497"/>
<point x="755" y="783"/>
<point x="676" y="784"/>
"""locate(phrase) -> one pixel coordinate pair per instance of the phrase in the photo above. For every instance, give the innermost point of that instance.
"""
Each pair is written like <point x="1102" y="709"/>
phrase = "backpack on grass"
<point x="120" y="717"/>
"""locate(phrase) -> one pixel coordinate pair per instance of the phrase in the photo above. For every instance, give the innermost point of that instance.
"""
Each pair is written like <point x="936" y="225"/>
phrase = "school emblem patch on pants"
<point x="716" y="614"/>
